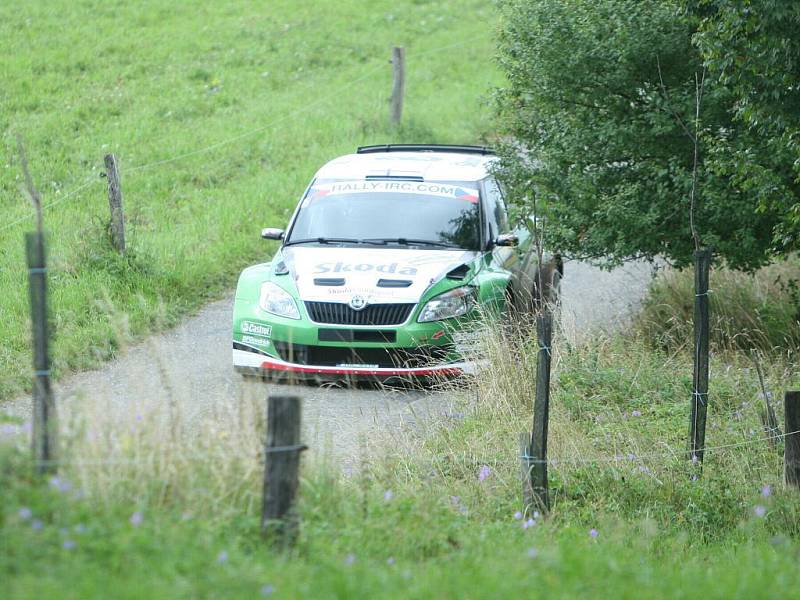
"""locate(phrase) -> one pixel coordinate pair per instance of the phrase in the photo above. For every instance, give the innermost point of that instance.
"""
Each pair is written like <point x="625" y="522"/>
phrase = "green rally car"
<point x="389" y="259"/>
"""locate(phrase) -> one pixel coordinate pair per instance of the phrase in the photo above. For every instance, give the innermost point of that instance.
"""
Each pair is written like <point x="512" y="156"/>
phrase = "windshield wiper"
<point x="409" y="242"/>
<point x="324" y="240"/>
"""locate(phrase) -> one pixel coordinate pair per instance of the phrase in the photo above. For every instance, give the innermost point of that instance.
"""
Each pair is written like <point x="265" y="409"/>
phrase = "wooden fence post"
<point x="791" y="452"/>
<point x="281" y="469"/>
<point x="44" y="410"/>
<point x="697" y="430"/>
<point x="535" y="488"/>
<point x="115" y="203"/>
<point x="398" y="83"/>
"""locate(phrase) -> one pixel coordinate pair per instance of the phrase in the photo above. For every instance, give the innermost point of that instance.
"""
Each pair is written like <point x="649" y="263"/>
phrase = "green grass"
<point x="220" y="112"/>
<point x="665" y="529"/>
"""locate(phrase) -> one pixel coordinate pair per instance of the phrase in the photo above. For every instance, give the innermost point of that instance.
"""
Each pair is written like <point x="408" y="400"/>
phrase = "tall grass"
<point x="433" y="513"/>
<point x="748" y="311"/>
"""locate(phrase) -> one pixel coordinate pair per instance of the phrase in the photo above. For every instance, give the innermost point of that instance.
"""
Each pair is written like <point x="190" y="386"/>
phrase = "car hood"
<point x="379" y="275"/>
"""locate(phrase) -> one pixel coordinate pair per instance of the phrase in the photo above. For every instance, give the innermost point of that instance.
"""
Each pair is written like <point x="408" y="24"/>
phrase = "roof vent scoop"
<point x="459" y="273"/>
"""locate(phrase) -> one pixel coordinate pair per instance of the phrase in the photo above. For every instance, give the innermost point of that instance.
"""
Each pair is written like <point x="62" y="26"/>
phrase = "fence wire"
<point x="670" y="454"/>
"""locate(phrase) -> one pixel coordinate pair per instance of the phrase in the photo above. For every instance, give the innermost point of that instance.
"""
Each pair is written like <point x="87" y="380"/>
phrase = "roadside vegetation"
<point x="151" y="502"/>
<point x="750" y="311"/>
<point x="219" y="113"/>
<point x="162" y="508"/>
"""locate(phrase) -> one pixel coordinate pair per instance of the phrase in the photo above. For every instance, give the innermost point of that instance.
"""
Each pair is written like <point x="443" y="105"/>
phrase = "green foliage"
<point x="753" y="47"/>
<point x="219" y="113"/>
<point x="600" y="110"/>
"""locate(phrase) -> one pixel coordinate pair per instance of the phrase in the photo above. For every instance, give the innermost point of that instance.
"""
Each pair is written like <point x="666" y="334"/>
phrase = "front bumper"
<point x="268" y="367"/>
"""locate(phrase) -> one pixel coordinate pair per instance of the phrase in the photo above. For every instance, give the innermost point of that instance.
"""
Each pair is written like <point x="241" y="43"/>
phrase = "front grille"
<point x="338" y="313"/>
<point x="331" y="356"/>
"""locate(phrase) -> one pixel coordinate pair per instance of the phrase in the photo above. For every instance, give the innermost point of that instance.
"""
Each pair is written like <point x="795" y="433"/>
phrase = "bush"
<point x="748" y="311"/>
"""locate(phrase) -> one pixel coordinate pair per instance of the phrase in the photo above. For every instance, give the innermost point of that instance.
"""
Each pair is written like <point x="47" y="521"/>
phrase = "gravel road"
<point x="192" y="363"/>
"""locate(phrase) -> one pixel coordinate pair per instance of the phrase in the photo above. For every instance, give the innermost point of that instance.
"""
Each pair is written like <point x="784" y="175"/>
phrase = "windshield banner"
<point x="402" y="187"/>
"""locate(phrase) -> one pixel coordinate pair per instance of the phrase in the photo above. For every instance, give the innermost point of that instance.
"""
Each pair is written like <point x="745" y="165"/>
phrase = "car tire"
<point x="550" y="293"/>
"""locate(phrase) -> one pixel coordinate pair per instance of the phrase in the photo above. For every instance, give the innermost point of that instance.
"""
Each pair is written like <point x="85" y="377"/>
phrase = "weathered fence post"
<point x="791" y="452"/>
<point x="697" y="431"/>
<point x="281" y="469"/>
<point x="44" y="410"/>
<point x="115" y="204"/>
<point x="398" y="83"/>
<point x="535" y="489"/>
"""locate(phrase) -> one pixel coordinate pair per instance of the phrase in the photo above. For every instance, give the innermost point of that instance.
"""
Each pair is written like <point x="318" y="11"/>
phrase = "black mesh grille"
<point x="337" y="313"/>
<point x="332" y="356"/>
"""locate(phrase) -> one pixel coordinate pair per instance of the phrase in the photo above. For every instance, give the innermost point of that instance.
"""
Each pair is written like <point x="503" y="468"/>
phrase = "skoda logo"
<point x="358" y="302"/>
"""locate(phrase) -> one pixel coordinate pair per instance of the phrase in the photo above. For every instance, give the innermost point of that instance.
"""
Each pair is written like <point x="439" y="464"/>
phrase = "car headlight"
<point x="451" y="304"/>
<point x="274" y="299"/>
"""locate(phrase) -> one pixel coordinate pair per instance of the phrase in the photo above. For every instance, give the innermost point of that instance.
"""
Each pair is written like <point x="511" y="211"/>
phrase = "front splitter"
<point x="266" y="366"/>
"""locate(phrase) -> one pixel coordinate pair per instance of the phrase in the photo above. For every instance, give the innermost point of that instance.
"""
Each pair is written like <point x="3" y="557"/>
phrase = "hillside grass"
<point x="220" y="113"/>
<point x="148" y="506"/>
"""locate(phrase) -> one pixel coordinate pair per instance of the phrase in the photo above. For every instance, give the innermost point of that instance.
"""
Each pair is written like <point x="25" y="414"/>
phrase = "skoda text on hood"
<point x="363" y="269"/>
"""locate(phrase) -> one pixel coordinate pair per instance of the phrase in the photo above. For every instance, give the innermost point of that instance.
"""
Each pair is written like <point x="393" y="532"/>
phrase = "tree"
<point x="754" y="48"/>
<point x="600" y="113"/>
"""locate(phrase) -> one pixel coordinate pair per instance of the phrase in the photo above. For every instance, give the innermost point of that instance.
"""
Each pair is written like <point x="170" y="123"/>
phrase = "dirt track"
<point x="192" y="363"/>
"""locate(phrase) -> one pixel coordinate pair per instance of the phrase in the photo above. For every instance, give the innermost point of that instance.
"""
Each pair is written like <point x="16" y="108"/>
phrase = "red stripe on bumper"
<point x="429" y="372"/>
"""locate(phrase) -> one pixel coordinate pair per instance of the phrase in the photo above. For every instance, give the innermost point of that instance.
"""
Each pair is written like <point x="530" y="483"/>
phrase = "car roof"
<point x="431" y="166"/>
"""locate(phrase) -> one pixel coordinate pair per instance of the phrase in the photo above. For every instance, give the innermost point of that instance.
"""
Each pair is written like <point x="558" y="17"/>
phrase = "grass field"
<point x="150" y="509"/>
<point x="220" y="113"/>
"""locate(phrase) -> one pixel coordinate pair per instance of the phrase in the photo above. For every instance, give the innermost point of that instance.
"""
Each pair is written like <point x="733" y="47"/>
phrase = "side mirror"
<point x="271" y="233"/>
<point x="506" y="239"/>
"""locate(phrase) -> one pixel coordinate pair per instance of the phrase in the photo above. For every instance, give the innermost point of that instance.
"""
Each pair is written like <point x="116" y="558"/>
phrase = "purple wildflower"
<point x="222" y="557"/>
<point x="267" y="590"/>
<point x="760" y="510"/>
<point x="533" y="552"/>
<point x="80" y="528"/>
<point x="766" y="491"/>
<point x="68" y="544"/>
<point x="455" y="500"/>
<point x="517" y="516"/>
<point x="528" y="524"/>
<point x="136" y="519"/>
<point x="388" y="495"/>
<point x="644" y="469"/>
<point x="24" y="513"/>
<point x="350" y="559"/>
<point x="390" y="561"/>
<point x="593" y="533"/>
<point x="37" y="525"/>
<point x="8" y="429"/>
<point x="536" y="514"/>
<point x="62" y="485"/>
<point x="636" y="413"/>
<point x="484" y="473"/>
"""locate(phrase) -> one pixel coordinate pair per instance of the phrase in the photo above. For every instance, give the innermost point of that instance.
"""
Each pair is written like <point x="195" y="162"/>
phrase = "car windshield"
<point x="406" y="213"/>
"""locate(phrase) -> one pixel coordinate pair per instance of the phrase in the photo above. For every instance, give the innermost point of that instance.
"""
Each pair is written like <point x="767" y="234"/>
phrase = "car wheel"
<point x="549" y="280"/>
